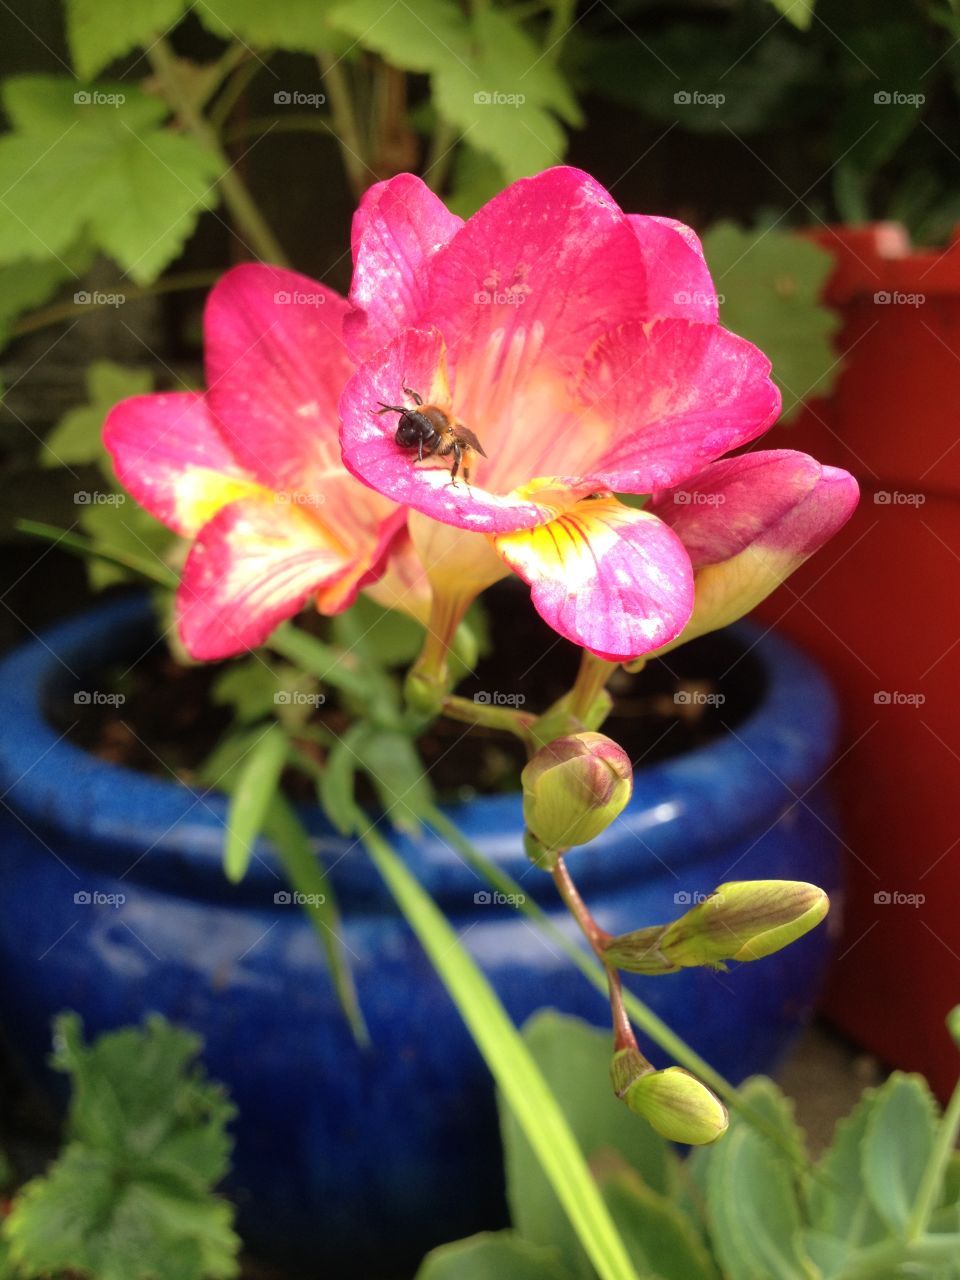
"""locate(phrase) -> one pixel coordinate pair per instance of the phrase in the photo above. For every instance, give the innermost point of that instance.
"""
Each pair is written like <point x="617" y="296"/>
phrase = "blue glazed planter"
<point x="381" y="1153"/>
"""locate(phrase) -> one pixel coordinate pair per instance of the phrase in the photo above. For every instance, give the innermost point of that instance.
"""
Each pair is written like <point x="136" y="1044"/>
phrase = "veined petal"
<point x="397" y="229"/>
<point x="417" y="359"/>
<point x="256" y="563"/>
<point x="552" y="252"/>
<point x="168" y="453"/>
<point x="728" y="589"/>
<point x="679" y="281"/>
<point x="733" y="502"/>
<point x="672" y="397"/>
<point x="610" y="578"/>
<point x="276" y="365"/>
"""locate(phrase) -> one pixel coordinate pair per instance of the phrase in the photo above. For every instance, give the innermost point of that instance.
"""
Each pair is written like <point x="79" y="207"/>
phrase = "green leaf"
<point x="129" y="1197"/>
<point x="149" y="568"/>
<point x="518" y="1077"/>
<point x="501" y="1255"/>
<point x="123" y="530"/>
<point x="898" y="1139"/>
<point x="387" y="636"/>
<point x="338" y="781"/>
<point x="249" y="687"/>
<point x="489" y="78"/>
<point x="307" y="877"/>
<point x="25" y="285"/>
<point x="752" y="1208"/>
<point x="659" y="1236"/>
<point x="770" y="283"/>
<point x="773" y="1112"/>
<point x="302" y="26"/>
<point x="799" y="12"/>
<point x="256" y="786"/>
<point x="391" y="761"/>
<point x="98" y="31"/>
<point x="108" y="169"/>
<point x="77" y="436"/>
<point x="477" y="178"/>
<point x="839" y="1204"/>
<point x="574" y="1059"/>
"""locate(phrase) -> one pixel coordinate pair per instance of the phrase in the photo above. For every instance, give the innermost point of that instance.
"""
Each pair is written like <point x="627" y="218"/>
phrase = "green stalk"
<point x="932" y="1180"/>
<point x="519" y="1078"/>
<point x="253" y="226"/>
<point x="346" y="127"/>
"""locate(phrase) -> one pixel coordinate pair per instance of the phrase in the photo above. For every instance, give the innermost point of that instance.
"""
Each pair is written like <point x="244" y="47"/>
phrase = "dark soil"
<point x="168" y="723"/>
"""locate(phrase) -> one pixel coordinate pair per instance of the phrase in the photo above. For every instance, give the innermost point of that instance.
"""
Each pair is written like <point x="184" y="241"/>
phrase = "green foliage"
<point x="488" y="77"/>
<point x="500" y="1255"/>
<point x="256" y="783"/>
<point x="884" y="1201"/>
<point x="130" y="1195"/>
<point x="770" y="282"/>
<point x="77" y="436"/>
<point x="297" y="25"/>
<point x="108" y="170"/>
<point x="99" y="31"/>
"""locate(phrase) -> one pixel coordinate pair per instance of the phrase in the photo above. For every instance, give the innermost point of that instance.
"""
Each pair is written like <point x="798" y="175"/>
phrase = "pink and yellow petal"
<point x="418" y="359"/>
<point x="276" y="365"/>
<point x="397" y="229"/>
<point x="612" y="579"/>
<point x="665" y="399"/>
<point x="732" y="502"/>
<point x="255" y="564"/>
<point x="728" y="589"/>
<point x="168" y="453"/>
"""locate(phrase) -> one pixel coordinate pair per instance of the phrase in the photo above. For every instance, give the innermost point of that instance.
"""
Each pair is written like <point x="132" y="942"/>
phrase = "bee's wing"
<point x="466" y="436"/>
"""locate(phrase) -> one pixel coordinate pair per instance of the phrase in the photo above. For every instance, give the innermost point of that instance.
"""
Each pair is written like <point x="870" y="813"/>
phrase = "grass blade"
<point x="511" y="1064"/>
<point x="251" y="795"/>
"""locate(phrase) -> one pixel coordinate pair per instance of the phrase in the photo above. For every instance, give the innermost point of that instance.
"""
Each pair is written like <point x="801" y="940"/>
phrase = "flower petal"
<point x="669" y="397"/>
<point x="553" y="252"/>
<point x="168" y="453"/>
<point x="417" y="359"/>
<point x="728" y="589"/>
<point x="398" y="227"/>
<point x="276" y="365"/>
<point x="679" y="278"/>
<point x="610" y="578"/>
<point x="732" y="502"/>
<point x="256" y="563"/>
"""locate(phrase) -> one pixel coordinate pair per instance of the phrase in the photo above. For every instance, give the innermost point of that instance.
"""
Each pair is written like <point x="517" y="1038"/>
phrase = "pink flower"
<point x="747" y="523"/>
<point x="581" y="347"/>
<point x="251" y="468"/>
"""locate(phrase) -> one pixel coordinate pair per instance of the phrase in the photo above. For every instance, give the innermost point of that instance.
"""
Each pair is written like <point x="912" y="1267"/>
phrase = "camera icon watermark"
<point x="494" y="698"/>
<point x="294" y="98"/>
<point x="894" y="698"/>
<point x="97" y="498"/>
<point x="294" y="898"/>
<point x="697" y="498"/>
<point x="97" y="298"/>
<point x="494" y="898"/>
<point x="298" y="298"/>
<point x="288" y="498"/>
<point x="495" y="99"/>
<point x="297" y="698"/>
<point x="94" y="898"/>
<point x="690" y="897"/>
<point x="694" y="98"/>
<point x="894" y="898"/>
<point x="896" y="98"/>
<point x="897" y="298"/>
<point x="97" y="98"/>
<point x="897" y="498"/>
<point x="698" y="698"/>
<point x="94" y="698"/>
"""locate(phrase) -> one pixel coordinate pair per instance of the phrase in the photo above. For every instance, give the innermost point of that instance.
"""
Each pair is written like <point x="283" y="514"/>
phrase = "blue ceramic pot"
<point x="382" y="1152"/>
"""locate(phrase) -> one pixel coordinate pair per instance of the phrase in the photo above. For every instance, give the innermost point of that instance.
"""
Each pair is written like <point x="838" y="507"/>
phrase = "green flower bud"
<point x="673" y="1102"/>
<point x="742" y="920"/>
<point x="573" y="788"/>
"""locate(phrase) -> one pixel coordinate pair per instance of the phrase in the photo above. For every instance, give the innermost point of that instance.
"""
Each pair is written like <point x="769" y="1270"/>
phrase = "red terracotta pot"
<point x="880" y="607"/>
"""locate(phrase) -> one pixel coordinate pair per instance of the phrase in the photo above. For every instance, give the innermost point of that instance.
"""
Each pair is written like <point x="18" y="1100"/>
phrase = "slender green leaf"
<point x="152" y="569"/>
<point x="574" y="1059"/>
<point x="898" y="1141"/>
<point x="501" y="1255"/>
<point x="516" y="1073"/>
<point x="337" y="783"/>
<point x="316" y="895"/>
<point x="255" y="788"/>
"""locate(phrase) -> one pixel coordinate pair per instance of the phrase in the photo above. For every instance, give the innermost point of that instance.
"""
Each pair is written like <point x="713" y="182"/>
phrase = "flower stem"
<point x="67" y="310"/>
<point x="591" y="680"/>
<point x="932" y="1179"/>
<point x="508" y="719"/>
<point x="578" y="908"/>
<point x="251" y="223"/>
<point x="345" y="123"/>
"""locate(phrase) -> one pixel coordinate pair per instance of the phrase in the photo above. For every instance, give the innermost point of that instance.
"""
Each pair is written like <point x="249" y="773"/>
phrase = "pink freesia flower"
<point x="581" y="346"/>
<point x="251" y="469"/>
<point x="747" y="523"/>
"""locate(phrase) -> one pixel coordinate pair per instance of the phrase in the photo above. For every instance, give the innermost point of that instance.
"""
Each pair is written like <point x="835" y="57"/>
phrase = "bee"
<point x="431" y="430"/>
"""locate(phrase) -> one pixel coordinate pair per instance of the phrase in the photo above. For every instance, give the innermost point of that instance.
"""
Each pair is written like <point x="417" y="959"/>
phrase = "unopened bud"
<point x="742" y="920"/>
<point x="673" y="1102"/>
<point x="573" y="788"/>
